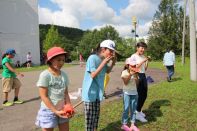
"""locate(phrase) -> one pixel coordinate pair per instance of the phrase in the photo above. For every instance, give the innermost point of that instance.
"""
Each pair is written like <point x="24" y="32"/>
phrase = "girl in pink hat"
<point x="130" y="95"/>
<point x="53" y="89"/>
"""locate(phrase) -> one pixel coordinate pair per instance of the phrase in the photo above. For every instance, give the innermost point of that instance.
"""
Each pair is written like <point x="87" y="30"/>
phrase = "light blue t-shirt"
<point x="92" y="89"/>
<point x="56" y="86"/>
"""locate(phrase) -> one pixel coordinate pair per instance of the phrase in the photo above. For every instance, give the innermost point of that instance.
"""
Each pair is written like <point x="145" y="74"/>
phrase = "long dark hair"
<point x="126" y="67"/>
<point x="97" y="50"/>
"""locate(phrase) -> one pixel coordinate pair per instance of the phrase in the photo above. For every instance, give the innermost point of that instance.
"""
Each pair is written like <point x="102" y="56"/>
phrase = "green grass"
<point x="169" y="106"/>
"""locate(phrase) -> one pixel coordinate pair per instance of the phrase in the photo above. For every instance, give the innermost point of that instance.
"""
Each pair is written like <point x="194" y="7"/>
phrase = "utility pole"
<point x="183" y="38"/>
<point x="193" y="64"/>
<point x="134" y="21"/>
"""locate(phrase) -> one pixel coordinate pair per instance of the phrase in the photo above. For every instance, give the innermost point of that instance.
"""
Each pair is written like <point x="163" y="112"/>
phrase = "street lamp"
<point x="134" y="22"/>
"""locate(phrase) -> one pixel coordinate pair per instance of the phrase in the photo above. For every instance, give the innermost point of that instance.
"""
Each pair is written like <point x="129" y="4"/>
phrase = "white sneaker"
<point x="140" y="118"/>
<point x="141" y="113"/>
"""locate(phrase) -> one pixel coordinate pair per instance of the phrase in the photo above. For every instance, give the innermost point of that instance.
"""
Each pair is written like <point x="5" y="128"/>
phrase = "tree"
<point x="92" y="39"/>
<point x="166" y="30"/>
<point x="52" y="39"/>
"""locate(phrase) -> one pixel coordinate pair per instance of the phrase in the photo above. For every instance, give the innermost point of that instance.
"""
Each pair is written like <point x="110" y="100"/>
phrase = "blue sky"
<point x="91" y="14"/>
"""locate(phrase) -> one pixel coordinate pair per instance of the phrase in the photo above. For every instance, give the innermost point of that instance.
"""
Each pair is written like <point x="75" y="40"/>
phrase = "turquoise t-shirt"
<point x="92" y="89"/>
<point x="56" y="86"/>
<point x="6" y="72"/>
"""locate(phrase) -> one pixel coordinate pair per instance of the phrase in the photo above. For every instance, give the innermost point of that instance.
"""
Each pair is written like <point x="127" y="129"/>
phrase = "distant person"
<point x="142" y="87"/>
<point x="130" y="95"/>
<point x="29" y="59"/>
<point x="169" y="63"/>
<point x="43" y="58"/>
<point x="81" y="60"/>
<point x="9" y="80"/>
<point x="93" y="83"/>
<point x="53" y="89"/>
<point x="17" y="65"/>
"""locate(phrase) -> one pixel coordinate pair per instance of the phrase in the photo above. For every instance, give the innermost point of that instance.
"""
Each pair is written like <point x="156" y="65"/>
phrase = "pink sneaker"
<point x="125" y="127"/>
<point x="134" y="128"/>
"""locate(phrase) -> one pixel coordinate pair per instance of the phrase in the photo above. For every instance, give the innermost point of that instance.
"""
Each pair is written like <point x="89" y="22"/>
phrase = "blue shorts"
<point x="48" y="119"/>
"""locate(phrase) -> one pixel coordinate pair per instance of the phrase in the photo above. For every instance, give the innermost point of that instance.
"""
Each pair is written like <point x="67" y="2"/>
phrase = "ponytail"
<point x="96" y="50"/>
<point x="4" y="55"/>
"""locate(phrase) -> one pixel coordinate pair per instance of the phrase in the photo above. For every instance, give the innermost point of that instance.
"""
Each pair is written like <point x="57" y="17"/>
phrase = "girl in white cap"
<point x="93" y="83"/>
<point x="53" y="90"/>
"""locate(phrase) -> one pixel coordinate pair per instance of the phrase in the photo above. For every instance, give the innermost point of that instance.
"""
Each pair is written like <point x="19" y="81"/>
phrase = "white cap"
<point x="108" y="44"/>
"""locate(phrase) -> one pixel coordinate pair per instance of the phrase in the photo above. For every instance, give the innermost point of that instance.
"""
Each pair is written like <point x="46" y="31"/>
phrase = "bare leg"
<point x="16" y="92"/>
<point x="5" y="95"/>
<point x="64" y="126"/>
<point x="47" y="129"/>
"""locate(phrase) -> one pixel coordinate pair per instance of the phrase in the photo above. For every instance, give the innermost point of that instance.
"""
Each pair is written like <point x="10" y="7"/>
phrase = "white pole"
<point x="183" y="40"/>
<point x="193" y="64"/>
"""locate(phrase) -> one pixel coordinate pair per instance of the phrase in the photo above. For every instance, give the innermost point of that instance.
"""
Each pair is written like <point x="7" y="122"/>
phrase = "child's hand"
<point x="149" y="58"/>
<point x="107" y="59"/>
<point x="68" y="111"/>
<point x="113" y="60"/>
<point x="60" y="113"/>
<point x="20" y="74"/>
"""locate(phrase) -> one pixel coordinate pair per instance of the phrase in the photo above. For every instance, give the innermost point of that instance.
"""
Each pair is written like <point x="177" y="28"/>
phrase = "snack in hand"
<point x="149" y="58"/>
<point x="69" y="110"/>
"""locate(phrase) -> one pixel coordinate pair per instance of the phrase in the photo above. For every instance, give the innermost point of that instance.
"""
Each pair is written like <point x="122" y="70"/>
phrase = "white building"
<point x="19" y="28"/>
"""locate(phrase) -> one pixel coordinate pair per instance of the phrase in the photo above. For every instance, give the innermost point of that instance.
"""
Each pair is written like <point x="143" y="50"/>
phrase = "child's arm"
<point x="12" y="69"/>
<point x="66" y="97"/>
<point x="127" y="78"/>
<point x="146" y="65"/>
<point x="112" y="64"/>
<point x="67" y="102"/>
<point x="138" y="65"/>
<point x="44" y="96"/>
<point x="100" y="67"/>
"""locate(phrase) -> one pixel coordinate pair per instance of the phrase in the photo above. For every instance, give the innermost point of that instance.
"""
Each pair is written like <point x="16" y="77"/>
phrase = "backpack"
<point x="149" y="79"/>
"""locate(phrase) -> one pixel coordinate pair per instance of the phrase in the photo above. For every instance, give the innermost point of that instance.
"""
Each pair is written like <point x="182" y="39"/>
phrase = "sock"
<point x="5" y="101"/>
<point x="15" y="98"/>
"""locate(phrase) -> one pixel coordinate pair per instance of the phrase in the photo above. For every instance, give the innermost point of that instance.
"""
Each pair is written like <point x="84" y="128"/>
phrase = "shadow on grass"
<point x="176" y="79"/>
<point x="116" y="93"/>
<point x="154" y="111"/>
<point x="114" y="126"/>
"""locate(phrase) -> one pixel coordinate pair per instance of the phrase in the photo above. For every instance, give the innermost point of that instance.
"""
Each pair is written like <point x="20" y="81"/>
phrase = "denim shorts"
<point x="48" y="119"/>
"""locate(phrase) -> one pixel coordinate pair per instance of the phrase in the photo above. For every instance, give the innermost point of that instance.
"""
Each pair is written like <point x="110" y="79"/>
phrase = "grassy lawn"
<point x="169" y="106"/>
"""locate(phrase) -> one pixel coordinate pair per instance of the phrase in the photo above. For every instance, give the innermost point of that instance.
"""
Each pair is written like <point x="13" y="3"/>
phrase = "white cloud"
<point x="97" y="10"/>
<point x="142" y="9"/>
<point x="46" y="16"/>
<point x="72" y="12"/>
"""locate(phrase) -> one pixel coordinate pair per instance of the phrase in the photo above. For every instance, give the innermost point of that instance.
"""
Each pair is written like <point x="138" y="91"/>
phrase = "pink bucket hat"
<point x="132" y="62"/>
<point x="54" y="51"/>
